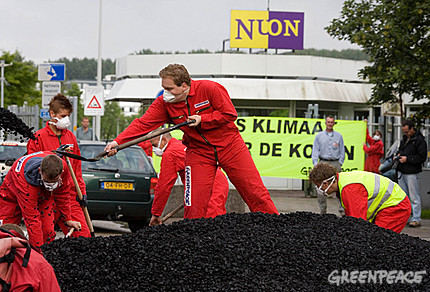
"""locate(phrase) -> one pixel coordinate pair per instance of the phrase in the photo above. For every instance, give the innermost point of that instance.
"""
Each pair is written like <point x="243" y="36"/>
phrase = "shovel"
<point x="151" y="135"/>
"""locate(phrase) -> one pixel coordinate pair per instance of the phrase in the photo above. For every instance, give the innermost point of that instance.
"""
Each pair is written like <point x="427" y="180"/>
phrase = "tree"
<point x="74" y="90"/>
<point x="109" y="121"/>
<point x="395" y="34"/>
<point x="85" y="69"/>
<point x="21" y="80"/>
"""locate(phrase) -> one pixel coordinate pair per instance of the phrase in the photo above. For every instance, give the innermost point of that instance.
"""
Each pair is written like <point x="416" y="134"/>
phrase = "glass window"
<point x="129" y="159"/>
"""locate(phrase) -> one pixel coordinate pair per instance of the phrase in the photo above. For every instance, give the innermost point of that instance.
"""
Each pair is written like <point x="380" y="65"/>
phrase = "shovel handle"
<point x="153" y="134"/>
<point x="176" y="210"/>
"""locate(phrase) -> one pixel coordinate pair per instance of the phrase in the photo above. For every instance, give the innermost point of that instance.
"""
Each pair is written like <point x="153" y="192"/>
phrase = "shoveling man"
<point x="52" y="136"/>
<point x="365" y="195"/>
<point x="173" y="163"/>
<point x="31" y="187"/>
<point x="212" y="141"/>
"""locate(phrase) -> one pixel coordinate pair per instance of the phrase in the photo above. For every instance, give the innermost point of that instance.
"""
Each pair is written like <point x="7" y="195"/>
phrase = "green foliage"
<point x="348" y="54"/>
<point x="85" y="69"/>
<point x="74" y="90"/>
<point x="21" y="79"/>
<point x="395" y="34"/>
<point x="113" y="114"/>
<point x="280" y="113"/>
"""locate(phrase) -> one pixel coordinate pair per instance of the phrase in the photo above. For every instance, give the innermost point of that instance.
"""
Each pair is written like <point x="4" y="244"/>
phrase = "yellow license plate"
<point x="117" y="186"/>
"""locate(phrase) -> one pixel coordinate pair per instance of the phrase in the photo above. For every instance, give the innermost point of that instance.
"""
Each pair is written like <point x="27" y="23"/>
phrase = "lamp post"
<point x="2" y="65"/>
<point x="99" y="73"/>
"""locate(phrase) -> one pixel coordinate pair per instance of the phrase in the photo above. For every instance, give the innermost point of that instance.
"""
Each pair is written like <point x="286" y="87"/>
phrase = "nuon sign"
<point x="266" y="29"/>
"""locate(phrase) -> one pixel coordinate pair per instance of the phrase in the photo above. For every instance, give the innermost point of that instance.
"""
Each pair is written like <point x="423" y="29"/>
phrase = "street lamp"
<point x="2" y="65"/>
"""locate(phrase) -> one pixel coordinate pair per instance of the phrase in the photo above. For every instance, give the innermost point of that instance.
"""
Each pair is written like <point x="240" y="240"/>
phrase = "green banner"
<point x="282" y="147"/>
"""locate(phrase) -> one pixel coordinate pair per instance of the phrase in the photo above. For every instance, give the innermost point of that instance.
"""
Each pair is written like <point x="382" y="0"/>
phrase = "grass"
<point x="425" y="214"/>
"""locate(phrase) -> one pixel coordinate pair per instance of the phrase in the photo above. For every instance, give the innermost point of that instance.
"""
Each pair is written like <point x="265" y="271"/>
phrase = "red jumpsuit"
<point x="147" y="147"/>
<point x="23" y="196"/>
<point x="355" y="199"/>
<point x="214" y="142"/>
<point x="172" y="163"/>
<point x="37" y="276"/>
<point x="46" y="140"/>
<point x="375" y="151"/>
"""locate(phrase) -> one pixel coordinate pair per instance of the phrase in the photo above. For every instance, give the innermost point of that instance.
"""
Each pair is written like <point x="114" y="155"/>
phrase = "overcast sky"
<point x="43" y="30"/>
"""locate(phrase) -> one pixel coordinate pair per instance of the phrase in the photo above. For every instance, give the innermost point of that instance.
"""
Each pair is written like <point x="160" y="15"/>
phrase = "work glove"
<point x="62" y="148"/>
<point x="83" y="202"/>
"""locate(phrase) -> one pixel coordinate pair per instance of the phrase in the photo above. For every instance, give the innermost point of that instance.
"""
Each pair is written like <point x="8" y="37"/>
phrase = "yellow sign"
<point x="266" y="29"/>
<point x="282" y="147"/>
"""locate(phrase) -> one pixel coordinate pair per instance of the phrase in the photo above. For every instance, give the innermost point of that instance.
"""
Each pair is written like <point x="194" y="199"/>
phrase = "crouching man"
<point x="365" y="195"/>
<point x="31" y="187"/>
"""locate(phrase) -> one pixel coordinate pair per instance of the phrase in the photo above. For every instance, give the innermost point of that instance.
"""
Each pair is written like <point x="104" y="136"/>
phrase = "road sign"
<point x="49" y="90"/>
<point x="52" y="72"/>
<point x="94" y="101"/>
<point x="44" y="114"/>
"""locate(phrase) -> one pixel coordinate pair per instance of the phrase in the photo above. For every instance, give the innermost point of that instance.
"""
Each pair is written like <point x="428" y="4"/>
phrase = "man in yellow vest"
<point x="365" y="195"/>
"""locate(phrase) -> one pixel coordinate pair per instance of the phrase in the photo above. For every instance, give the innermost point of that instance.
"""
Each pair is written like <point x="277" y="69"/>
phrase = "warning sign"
<point x="94" y="101"/>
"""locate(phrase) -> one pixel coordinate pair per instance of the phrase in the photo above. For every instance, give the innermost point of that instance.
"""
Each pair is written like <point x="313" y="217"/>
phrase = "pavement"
<point x="293" y="201"/>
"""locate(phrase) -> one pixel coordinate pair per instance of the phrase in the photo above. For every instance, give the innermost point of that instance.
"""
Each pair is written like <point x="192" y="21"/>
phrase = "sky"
<point x="43" y="30"/>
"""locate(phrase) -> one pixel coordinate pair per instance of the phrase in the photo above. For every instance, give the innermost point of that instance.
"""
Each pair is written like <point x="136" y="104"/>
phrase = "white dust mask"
<point x="171" y="98"/>
<point x="376" y="137"/>
<point x="51" y="186"/>
<point x="61" y="124"/>
<point x="157" y="150"/>
<point x="322" y="192"/>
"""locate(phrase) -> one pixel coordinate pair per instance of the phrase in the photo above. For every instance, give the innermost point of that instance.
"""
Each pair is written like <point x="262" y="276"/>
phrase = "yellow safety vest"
<point x="382" y="192"/>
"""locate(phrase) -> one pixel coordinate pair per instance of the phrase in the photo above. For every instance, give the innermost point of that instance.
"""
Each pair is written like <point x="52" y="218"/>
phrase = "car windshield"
<point x="11" y="152"/>
<point x="129" y="159"/>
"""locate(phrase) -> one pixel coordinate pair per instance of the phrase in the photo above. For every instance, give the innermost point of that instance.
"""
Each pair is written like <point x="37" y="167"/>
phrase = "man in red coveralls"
<point x="29" y="270"/>
<point x="32" y="185"/>
<point x="365" y="195"/>
<point x="49" y="138"/>
<point x="375" y="151"/>
<point x="212" y="141"/>
<point x="173" y="162"/>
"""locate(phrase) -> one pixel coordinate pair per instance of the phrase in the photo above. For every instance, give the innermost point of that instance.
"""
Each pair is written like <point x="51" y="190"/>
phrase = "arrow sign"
<point x="52" y="72"/>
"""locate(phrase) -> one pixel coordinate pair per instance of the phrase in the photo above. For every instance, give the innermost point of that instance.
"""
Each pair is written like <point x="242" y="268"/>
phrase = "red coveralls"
<point x="374" y="152"/>
<point x="38" y="275"/>
<point x="355" y="199"/>
<point x="172" y="163"/>
<point x="46" y="140"/>
<point x="21" y="199"/>
<point x="214" y="142"/>
<point x="147" y="147"/>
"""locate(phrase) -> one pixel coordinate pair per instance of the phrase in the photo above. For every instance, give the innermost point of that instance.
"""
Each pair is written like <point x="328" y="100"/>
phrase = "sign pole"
<point x="99" y="69"/>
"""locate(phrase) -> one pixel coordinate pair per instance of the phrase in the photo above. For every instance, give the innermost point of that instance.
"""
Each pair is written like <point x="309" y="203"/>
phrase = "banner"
<point x="282" y="147"/>
<point x="266" y="29"/>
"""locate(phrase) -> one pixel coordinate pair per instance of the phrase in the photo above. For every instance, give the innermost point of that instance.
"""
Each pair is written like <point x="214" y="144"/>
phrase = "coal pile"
<point x="243" y="252"/>
<point x="14" y="125"/>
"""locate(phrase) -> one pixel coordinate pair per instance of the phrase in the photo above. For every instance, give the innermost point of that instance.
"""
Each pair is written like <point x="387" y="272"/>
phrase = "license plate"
<point x="116" y="186"/>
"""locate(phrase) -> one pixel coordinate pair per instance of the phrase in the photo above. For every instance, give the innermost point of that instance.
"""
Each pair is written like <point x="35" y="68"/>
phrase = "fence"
<point x="28" y="114"/>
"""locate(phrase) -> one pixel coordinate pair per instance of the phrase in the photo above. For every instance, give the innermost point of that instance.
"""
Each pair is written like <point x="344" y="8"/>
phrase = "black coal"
<point x="240" y="252"/>
<point x="14" y="125"/>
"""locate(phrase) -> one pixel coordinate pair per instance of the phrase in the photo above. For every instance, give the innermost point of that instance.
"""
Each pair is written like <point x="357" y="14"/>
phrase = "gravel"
<point x="14" y="125"/>
<point x="242" y="252"/>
